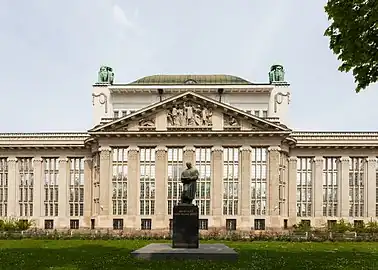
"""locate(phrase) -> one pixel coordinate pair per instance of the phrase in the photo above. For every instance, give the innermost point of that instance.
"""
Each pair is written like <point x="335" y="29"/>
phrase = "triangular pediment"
<point x="189" y="111"/>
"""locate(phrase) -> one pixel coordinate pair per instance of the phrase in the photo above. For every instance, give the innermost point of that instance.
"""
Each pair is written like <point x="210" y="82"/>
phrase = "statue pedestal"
<point x="185" y="244"/>
<point x="185" y="226"/>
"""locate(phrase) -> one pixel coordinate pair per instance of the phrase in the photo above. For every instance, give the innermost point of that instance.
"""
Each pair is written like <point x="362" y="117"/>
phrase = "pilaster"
<point x="87" y="191"/>
<point x="12" y="187"/>
<point x="245" y="187"/>
<point x="161" y="193"/>
<point x="344" y="187"/>
<point x="217" y="185"/>
<point x="105" y="196"/>
<point x="189" y="155"/>
<point x="273" y="184"/>
<point x="38" y="187"/>
<point x="317" y="188"/>
<point x="292" y="191"/>
<point x="63" y="188"/>
<point x="132" y="188"/>
<point x="371" y="186"/>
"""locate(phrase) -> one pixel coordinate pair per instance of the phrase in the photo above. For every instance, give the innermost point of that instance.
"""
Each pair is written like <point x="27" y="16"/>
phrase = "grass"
<point x="100" y="254"/>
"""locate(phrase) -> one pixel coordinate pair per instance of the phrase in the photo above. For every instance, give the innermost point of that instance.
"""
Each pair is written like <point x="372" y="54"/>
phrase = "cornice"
<point x="44" y="135"/>
<point x="337" y="139"/>
<point x="333" y="134"/>
<point x="242" y="88"/>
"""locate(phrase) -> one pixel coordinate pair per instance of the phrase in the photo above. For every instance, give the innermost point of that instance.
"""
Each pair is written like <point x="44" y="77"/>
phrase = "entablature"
<point x="335" y="139"/>
<point x="43" y="140"/>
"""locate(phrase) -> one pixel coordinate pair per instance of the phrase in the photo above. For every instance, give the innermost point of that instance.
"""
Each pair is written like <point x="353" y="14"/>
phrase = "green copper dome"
<point x="189" y="79"/>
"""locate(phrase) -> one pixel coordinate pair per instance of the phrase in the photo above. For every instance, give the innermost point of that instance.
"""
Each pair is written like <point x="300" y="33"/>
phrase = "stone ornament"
<point x="278" y="99"/>
<point x="147" y="122"/>
<point x="277" y="74"/>
<point x="102" y="99"/>
<point x="105" y="75"/>
<point x="189" y="114"/>
<point x="230" y="121"/>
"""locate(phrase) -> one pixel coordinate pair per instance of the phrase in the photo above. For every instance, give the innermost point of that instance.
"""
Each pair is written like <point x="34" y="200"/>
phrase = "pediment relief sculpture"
<point x="147" y="122"/>
<point x="230" y="121"/>
<point x="189" y="114"/>
<point x="123" y="128"/>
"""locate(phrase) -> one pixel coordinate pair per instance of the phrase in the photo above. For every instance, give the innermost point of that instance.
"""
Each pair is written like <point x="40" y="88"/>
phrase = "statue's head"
<point x="103" y="69"/>
<point x="276" y="67"/>
<point x="189" y="165"/>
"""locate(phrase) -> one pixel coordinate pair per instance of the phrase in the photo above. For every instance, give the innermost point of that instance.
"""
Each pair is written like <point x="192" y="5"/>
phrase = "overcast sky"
<point x="50" y="53"/>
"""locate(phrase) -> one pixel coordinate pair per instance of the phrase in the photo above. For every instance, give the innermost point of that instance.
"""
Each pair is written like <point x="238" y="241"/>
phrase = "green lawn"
<point x="98" y="254"/>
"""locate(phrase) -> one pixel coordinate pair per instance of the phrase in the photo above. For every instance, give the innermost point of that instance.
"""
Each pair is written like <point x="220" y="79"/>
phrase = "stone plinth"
<point x="204" y="251"/>
<point x="185" y="226"/>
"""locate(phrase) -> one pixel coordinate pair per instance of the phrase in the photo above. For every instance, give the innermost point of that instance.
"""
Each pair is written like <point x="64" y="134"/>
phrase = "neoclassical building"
<point x="255" y="171"/>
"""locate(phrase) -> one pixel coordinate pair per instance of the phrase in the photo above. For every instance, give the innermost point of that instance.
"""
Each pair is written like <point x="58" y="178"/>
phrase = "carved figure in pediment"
<point x="230" y="121"/>
<point x="147" y="122"/>
<point x="189" y="114"/>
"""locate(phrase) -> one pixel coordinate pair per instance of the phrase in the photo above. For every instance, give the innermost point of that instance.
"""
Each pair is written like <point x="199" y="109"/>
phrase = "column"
<point x="245" y="187"/>
<point x="317" y="190"/>
<point x="37" y="189"/>
<point x="161" y="193"/>
<point x="292" y="191"/>
<point x="12" y="187"/>
<point x="63" y="189"/>
<point x="370" y="189"/>
<point x="343" y="186"/>
<point x="217" y="185"/>
<point x="132" y="188"/>
<point x="273" y="186"/>
<point x="105" y="196"/>
<point x="87" y="192"/>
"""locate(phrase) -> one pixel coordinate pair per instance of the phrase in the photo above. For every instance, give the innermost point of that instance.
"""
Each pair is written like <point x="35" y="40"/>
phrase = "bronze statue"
<point x="277" y="74"/>
<point x="105" y="75"/>
<point x="189" y="178"/>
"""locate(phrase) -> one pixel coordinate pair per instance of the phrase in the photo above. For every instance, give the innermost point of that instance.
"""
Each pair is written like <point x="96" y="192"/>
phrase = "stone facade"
<point x="255" y="172"/>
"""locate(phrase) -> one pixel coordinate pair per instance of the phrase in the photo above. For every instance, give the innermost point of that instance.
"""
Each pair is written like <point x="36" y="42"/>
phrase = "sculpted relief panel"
<point x="230" y="121"/>
<point x="147" y="122"/>
<point x="189" y="114"/>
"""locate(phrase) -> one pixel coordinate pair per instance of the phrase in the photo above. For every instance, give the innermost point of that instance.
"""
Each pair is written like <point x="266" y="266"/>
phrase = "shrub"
<point x="14" y="224"/>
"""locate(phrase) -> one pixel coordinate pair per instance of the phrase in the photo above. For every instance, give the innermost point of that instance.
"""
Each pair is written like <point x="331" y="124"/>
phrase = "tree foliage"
<point x="353" y="34"/>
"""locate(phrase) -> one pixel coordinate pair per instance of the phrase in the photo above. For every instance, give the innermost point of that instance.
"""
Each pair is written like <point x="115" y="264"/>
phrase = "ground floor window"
<point x="146" y="224"/>
<point x="331" y="223"/>
<point x="285" y="224"/>
<point x="49" y="224"/>
<point x="74" y="224"/>
<point x="117" y="224"/>
<point x="306" y="223"/>
<point x="259" y="224"/>
<point x="231" y="224"/>
<point x="203" y="224"/>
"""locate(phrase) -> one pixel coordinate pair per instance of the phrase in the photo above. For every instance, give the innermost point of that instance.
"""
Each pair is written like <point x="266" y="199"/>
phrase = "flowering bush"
<point x="14" y="224"/>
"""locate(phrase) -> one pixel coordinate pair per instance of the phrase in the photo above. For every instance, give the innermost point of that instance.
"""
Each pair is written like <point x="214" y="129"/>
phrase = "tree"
<point x="353" y="34"/>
